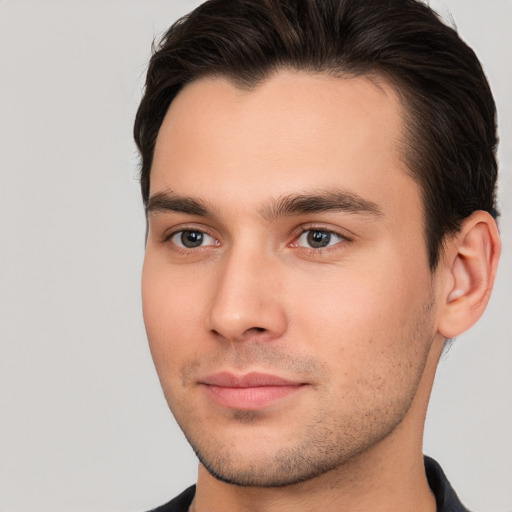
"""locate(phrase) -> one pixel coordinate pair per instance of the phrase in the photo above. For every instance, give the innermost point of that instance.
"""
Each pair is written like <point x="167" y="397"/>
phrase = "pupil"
<point x="191" y="239"/>
<point x="318" y="239"/>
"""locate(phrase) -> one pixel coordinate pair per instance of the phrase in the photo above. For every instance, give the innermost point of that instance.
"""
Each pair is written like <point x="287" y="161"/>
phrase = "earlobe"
<point x="470" y="262"/>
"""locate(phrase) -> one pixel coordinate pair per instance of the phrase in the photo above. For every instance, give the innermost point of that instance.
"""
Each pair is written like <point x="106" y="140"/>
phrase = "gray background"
<point x="83" y="423"/>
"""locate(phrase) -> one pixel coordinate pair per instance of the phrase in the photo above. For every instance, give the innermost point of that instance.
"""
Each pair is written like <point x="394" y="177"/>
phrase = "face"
<point x="286" y="290"/>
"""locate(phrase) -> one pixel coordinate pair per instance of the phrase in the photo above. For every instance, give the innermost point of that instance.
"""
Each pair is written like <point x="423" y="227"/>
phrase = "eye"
<point x="192" y="239"/>
<point x="318" y="239"/>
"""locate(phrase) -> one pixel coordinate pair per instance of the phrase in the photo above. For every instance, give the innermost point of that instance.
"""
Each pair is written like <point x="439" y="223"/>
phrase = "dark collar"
<point x="446" y="499"/>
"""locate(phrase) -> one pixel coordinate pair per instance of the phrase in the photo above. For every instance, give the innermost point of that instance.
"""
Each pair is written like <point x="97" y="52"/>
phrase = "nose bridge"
<point x="246" y="296"/>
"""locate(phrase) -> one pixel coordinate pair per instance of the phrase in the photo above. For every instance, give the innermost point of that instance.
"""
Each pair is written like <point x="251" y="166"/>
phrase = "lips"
<point x="250" y="391"/>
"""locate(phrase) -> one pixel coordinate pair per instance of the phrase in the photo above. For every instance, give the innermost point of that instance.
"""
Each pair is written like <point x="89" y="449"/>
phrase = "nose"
<point x="246" y="302"/>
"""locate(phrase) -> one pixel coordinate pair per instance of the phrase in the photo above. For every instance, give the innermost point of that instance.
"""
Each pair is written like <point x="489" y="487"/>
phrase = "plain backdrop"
<point x="83" y="422"/>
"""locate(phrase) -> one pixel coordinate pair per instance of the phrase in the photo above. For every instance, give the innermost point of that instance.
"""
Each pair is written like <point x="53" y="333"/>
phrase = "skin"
<point x="358" y="323"/>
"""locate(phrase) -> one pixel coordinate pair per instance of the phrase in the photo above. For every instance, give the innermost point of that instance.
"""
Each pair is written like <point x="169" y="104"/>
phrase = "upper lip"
<point x="248" y="380"/>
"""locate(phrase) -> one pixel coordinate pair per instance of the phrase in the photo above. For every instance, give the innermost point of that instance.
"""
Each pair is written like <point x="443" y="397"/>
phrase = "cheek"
<point x="373" y="344"/>
<point x="364" y="317"/>
<point x="172" y="314"/>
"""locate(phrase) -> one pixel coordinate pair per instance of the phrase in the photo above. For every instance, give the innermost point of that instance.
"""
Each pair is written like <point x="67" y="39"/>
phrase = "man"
<point x="319" y="182"/>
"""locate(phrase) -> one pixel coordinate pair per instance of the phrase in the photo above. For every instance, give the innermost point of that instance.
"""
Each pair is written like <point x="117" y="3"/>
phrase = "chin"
<point x="273" y="473"/>
<point x="270" y="464"/>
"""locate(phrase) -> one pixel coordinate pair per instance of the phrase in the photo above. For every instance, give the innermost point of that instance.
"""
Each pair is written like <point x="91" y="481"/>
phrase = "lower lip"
<point x="250" y="398"/>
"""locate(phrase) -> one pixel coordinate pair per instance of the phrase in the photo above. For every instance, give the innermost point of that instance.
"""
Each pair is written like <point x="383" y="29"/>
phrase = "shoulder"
<point x="179" y="504"/>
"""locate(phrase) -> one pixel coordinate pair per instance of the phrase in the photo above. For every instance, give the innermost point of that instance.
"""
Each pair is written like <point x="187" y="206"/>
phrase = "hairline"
<point x="377" y="76"/>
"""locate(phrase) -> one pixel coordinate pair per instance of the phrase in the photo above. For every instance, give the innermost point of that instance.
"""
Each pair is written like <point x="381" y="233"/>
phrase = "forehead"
<point x="293" y="132"/>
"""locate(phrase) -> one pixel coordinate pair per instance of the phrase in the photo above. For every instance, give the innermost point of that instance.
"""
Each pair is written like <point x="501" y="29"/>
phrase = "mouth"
<point x="251" y="391"/>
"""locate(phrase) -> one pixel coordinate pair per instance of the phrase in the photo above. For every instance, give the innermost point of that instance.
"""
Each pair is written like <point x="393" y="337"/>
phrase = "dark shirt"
<point x="446" y="499"/>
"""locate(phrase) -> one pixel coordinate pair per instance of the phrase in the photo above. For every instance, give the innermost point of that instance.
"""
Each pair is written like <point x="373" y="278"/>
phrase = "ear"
<point x="468" y="266"/>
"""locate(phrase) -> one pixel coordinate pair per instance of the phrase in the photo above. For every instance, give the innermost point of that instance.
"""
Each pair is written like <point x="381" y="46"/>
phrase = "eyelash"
<point x="344" y="239"/>
<point x="183" y="250"/>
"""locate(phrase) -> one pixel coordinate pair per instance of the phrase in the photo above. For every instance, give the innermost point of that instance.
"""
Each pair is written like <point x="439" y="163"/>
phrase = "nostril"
<point x="248" y="332"/>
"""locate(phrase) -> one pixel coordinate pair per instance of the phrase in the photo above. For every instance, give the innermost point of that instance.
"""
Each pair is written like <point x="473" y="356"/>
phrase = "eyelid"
<point x="298" y="232"/>
<point x="175" y="240"/>
<point x="170" y="233"/>
<point x="341" y="234"/>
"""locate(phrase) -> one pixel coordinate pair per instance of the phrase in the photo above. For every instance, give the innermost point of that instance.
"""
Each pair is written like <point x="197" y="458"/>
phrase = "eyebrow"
<point x="321" y="202"/>
<point x="290" y="205"/>
<point x="170" y="202"/>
